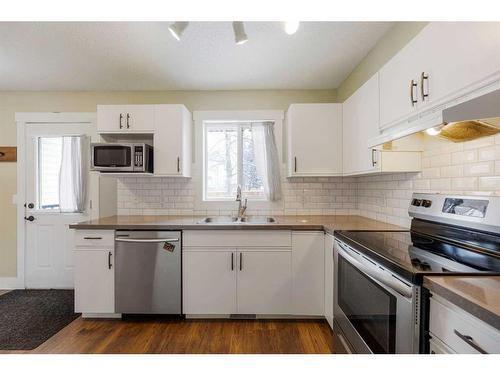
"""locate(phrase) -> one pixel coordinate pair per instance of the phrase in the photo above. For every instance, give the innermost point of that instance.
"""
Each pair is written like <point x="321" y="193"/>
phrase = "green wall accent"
<point x="395" y="39"/>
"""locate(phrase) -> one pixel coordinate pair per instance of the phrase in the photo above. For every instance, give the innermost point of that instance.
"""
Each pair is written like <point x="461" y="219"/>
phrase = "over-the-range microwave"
<point x="121" y="157"/>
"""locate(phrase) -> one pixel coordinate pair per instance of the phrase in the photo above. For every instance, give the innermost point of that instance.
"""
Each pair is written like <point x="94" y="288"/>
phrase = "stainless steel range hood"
<point x="476" y="118"/>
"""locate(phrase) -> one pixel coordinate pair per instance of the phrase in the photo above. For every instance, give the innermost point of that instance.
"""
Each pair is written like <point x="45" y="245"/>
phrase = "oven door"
<point x="112" y="157"/>
<point x="375" y="310"/>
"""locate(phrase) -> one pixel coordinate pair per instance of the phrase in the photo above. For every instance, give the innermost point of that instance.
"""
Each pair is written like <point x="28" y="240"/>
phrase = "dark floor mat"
<point x="30" y="317"/>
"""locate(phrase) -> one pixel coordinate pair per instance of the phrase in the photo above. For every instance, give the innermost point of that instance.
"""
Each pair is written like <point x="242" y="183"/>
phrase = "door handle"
<point x="109" y="260"/>
<point x="241" y="261"/>
<point x="469" y="340"/>
<point x="374" y="162"/>
<point x="295" y="164"/>
<point x="128" y="120"/>
<point x="178" y="164"/>
<point x="121" y="118"/>
<point x="146" y="240"/>
<point x="29" y="218"/>
<point x="424" y="77"/>
<point x="413" y="85"/>
<point x="232" y="261"/>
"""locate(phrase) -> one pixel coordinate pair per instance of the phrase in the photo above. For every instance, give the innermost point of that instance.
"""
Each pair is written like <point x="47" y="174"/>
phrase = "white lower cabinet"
<point x="329" y="277"/>
<point x="308" y="281"/>
<point x="272" y="277"/>
<point x="458" y="331"/>
<point x="209" y="285"/>
<point x="264" y="282"/>
<point x="94" y="280"/>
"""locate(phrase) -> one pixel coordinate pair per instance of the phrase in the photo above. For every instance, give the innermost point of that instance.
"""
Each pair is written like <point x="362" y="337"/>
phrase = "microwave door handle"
<point x="377" y="275"/>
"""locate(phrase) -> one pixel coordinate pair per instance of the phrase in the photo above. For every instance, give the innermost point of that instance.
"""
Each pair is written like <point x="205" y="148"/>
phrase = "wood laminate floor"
<point x="191" y="337"/>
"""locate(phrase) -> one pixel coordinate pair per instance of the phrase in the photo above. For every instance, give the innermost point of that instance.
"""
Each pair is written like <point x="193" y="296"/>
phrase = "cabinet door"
<point x="457" y="55"/>
<point x="264" y="282"/>
<point x="209" y="281"/>
<point x="111" y="118"/>
<point x="168" y="140"/>
<point x="308" y="256"/>
<point x="395" y="85"/>
<point x="314" y="139"/>
<point x="350" y="128"/>
<point x="94" y="281"/>
<point x="140" y="118"/>
<point x="368" y="124"/>
<point x="329" y="279"/>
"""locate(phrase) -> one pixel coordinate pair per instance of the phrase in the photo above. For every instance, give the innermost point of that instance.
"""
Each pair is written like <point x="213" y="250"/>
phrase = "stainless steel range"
<point x="378" y="302"/>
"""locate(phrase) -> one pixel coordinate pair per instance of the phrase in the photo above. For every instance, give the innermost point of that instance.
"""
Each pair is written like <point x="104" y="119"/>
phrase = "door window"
<point x="49" y="167"/>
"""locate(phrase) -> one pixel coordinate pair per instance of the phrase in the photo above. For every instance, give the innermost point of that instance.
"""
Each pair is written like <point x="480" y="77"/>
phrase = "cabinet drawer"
<point x="95" y="238"/>
<point x="454" y="327"/>
<point x="237" y="238"/>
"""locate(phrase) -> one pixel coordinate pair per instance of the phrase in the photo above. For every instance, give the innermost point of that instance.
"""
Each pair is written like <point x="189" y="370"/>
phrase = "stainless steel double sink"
<point x="235" y="220"/>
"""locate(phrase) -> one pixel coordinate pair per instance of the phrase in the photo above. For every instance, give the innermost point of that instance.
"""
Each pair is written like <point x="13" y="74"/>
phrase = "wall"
<point x="469" y="168"/>
<point x="172" y="196"/>
<point x="395" y="39"/>
<point x="12" y="102"/>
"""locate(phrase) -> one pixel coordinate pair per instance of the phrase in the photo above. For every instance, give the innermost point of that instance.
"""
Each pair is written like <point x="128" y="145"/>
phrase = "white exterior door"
<point x="48" y="241"/>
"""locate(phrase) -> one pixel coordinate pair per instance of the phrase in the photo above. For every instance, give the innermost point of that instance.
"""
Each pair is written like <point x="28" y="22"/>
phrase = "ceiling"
<point x="144" y="56"/>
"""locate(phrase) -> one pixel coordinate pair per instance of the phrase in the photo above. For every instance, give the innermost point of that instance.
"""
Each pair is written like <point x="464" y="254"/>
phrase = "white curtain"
<point x="73" y="174"/>
<point x="267" y="158"/>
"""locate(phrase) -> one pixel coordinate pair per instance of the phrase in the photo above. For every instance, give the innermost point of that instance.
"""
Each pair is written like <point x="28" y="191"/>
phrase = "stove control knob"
<point x="416" y="202"/>
<point x="426" y="203"/>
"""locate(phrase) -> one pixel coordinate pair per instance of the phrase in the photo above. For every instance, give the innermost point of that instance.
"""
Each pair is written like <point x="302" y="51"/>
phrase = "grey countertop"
<point x="314" y="222"/>
<point x="478" y="295"/>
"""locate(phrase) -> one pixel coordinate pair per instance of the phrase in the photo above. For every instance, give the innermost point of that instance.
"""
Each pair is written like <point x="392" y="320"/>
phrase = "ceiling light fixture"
<point x="291" y="27"/>
<point x="239" y="32"/>
<point x="177" y="28"/>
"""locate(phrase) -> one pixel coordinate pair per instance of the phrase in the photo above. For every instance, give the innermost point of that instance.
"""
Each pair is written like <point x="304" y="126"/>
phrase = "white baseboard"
<point x="11" y="283"/>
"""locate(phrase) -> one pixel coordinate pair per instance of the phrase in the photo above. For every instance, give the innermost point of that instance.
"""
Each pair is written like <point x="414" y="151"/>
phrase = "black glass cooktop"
<point x="413" y="255"/>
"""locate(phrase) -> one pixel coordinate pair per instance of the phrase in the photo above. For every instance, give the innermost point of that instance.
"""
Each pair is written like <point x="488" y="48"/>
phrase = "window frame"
<point x="228" y="206"/>
<point x="240" y="128"/>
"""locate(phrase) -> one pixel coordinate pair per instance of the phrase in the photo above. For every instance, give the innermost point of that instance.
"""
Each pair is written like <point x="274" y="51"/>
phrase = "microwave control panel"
<point x="138" y="156"/>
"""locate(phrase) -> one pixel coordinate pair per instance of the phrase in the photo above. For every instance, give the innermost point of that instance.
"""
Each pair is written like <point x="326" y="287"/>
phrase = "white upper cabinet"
<point x="314" y="133"/>
<point x="125" y="118"/>
<point x="445" y="61"/>
<point x="458" y="56"/>
<point x="361" y="123"/>
<point x="172" y="140"/>
<point x="170" y="124"/>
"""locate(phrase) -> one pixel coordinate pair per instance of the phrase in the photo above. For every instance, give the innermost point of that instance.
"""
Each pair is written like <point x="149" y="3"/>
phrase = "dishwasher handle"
<point x="146" y="240"/>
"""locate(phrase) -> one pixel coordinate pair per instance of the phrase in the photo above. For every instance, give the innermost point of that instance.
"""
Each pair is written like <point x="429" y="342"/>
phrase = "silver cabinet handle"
<point x="146" y="240"/>
<point x="232" y="261"/>
<point x="178" y="164"/>
<point x="383" y="278"/>
<point x="295" y="164"/>
<point x="241" y="261"/>
<point x="109" y="260"/>
<point x="92" y="238"/>
<point x="469" y="340"/>
<point x="128" y="120"/>
<point x="374" y="162"/>
<point x="424" y="78"/>
<point x="413" y="85"/>
<point x="121" y="118"/>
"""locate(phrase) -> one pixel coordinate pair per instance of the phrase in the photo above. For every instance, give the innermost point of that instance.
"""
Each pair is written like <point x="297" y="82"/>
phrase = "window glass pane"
<point x="252" y="185"/>
<point x="49" y="165"/>
<point x="222" y="155"/>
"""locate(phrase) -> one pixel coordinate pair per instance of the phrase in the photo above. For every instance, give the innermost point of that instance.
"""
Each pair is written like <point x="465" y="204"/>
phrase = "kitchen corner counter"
<point x="478" y="295"/>
<point x="327" y="223"/>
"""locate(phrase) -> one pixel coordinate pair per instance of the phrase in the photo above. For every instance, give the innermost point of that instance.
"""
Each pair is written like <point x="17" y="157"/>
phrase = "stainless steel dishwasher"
<point x="148" y="272"/>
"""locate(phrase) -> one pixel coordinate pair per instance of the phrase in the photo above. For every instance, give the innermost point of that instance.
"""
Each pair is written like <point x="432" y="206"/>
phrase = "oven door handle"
<point x="379" y="276"/>
<point x="146" y="240"/>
